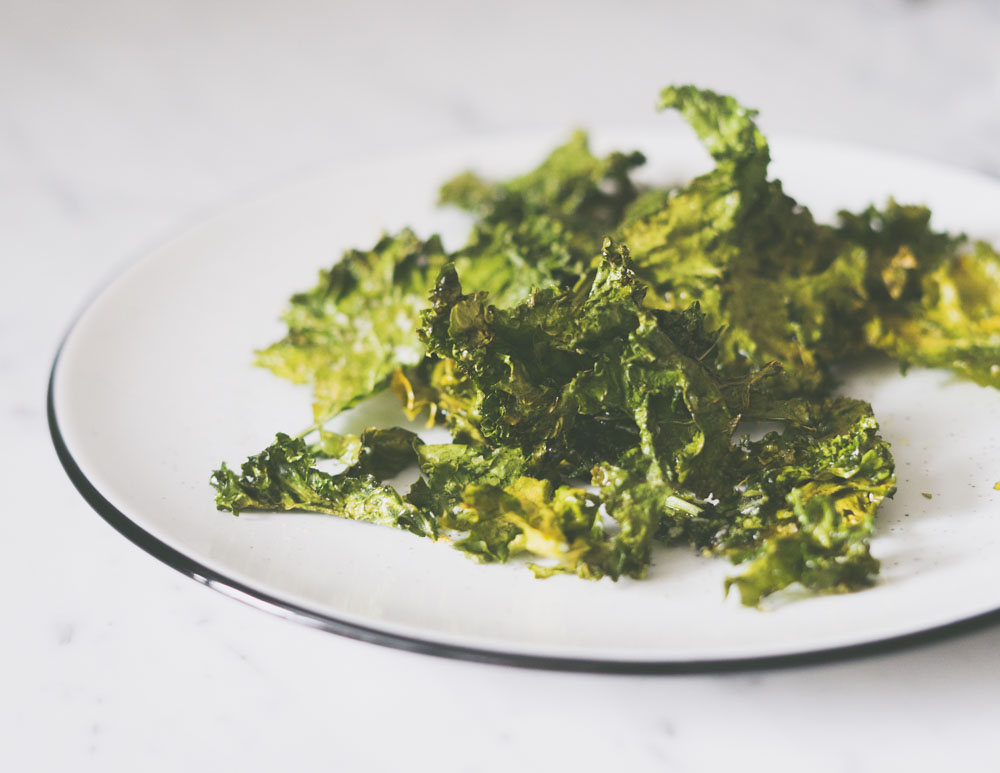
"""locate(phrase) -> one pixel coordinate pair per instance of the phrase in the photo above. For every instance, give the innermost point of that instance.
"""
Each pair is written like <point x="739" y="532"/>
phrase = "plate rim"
<point x="291" y="611"/>
<point x="297" y="613"/>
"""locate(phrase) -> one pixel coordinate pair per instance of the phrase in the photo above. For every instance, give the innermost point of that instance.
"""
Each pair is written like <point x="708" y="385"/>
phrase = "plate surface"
<point x="153" y="387"/>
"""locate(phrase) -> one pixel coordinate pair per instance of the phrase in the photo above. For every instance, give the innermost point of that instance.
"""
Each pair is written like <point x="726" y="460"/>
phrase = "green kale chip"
<point x="589" y="329"/>
<point x="348" y="334"/>
<point x="284" y="476"/>
<point x="805" y="510"/>
<point x="583" y="194"/>
<point x="778" y="284"/>
<point x="575" y="378"/>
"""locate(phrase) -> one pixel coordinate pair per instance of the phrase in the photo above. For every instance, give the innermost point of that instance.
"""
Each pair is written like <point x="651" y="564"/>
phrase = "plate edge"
<point x="238" y="591"/>
<point x="299" y="614"/>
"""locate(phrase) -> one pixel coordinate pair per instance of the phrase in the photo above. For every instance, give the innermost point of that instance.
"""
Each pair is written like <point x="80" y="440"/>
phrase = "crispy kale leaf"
<point x="559" y="525"/>
<point x="575" y="378"/>
<point x="348" y="334"/>
<point x="496" y="512"/>
<point x="952" y="322"/>
<point x="900" y="247"/>
<point x="448" y="469"/>
<point x="934" y="297"/>
<point x="780" y="285"/>
<point x="552" y="359"/>
<point x="284" y="476"/>
<point x="644" y="509"/>
<point x="803" y="294"/>
<point x="357" y="326"/>
<point x="582" y="196"/>
<point x="805" y="510"/>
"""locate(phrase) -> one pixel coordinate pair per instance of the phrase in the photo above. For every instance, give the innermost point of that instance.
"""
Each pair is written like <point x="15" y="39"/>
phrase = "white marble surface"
<point x="122" y="122"/>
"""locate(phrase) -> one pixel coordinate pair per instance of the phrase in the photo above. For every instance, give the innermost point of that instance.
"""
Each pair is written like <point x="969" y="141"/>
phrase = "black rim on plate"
<point x="291" y="611"/>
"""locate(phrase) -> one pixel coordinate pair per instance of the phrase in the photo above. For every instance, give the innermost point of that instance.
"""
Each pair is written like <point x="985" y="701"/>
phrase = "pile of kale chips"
<point x="590" y="330"/>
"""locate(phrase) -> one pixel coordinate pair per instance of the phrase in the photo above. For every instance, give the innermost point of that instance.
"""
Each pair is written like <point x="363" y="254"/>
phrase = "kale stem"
<point x="309" y="430"/>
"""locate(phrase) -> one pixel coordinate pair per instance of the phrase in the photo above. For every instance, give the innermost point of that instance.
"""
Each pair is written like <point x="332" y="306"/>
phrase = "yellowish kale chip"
<point x="952" y="322"/>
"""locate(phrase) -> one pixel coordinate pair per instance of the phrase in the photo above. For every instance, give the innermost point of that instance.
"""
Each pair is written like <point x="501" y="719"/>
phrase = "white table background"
<point x="122" y="122"/>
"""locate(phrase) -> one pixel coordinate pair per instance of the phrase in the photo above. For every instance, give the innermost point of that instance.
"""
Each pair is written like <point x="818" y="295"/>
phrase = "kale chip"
<point x="594" y="345"/>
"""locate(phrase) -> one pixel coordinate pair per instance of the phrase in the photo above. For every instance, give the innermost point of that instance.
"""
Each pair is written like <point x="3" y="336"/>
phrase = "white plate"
<point x="153" y="387"/>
